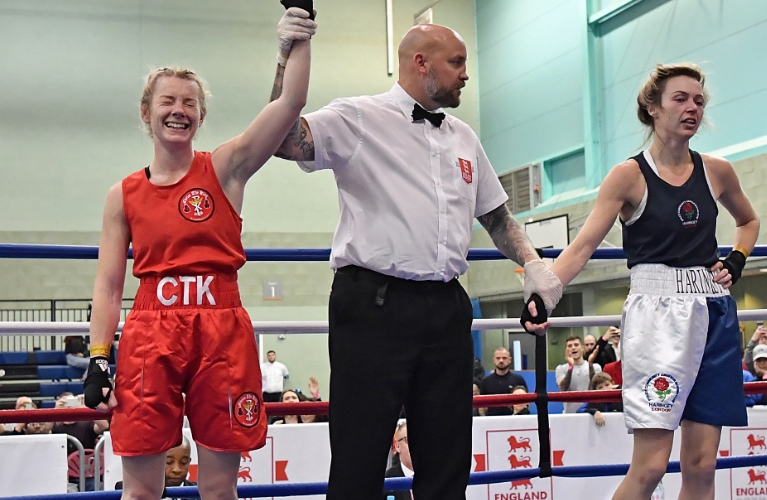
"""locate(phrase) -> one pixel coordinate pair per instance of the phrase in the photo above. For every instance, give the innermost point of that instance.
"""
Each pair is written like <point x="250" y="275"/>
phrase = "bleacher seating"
<point x="41" y="375"/>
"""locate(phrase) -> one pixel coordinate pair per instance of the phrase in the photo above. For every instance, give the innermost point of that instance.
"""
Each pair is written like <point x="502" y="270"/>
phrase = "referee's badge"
<point x="465" y="170"/>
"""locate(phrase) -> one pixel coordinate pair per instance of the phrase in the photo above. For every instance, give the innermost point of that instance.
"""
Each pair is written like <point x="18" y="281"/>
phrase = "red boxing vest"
<point x="186" y="228"/>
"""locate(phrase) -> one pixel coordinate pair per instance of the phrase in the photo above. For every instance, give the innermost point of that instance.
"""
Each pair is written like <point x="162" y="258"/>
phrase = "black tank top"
<point x="678" y="225"/>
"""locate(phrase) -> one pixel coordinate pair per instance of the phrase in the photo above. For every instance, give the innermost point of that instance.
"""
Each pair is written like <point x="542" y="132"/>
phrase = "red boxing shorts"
<point x="188" y="335"/>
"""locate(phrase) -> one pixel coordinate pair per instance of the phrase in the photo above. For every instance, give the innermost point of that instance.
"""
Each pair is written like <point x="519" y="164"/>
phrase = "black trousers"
<point x="272" y="397"/>
<point x="397" y="342"/>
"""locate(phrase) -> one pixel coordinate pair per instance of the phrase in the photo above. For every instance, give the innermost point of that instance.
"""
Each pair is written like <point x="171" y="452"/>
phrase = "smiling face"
<point x="681" y="109"/>
<point x="174" y="112"/>
<point x="574" y="349"/>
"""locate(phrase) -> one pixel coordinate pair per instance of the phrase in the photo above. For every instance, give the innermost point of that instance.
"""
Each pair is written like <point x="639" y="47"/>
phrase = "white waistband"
<point x="659" y="279"/>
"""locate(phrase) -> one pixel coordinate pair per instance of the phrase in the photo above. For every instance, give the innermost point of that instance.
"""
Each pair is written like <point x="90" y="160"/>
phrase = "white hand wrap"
<point x="539" y="279"/>
<point x="294" y="25"/>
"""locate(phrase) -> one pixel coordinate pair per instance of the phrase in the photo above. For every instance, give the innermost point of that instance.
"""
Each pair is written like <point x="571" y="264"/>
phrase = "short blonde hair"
<point x="172" y="71"/>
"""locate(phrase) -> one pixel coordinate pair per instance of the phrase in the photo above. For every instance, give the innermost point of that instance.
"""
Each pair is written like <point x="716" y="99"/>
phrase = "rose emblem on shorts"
<point x="247" y="410"/>
<point x="661" y="391"/>
<point x="688" y="213"/>
<point x="196" y="205"/>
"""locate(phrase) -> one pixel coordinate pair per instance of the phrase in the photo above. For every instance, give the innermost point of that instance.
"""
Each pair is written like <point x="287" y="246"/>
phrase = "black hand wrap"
<point x="97" y="380"/>
<point x="540" y="309"/>
<point x="307" y="5"/>
<point x="734" y="263"/>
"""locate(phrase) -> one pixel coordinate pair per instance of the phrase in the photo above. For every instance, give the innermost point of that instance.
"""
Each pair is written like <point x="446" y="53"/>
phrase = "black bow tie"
<point x="435" y="118"/>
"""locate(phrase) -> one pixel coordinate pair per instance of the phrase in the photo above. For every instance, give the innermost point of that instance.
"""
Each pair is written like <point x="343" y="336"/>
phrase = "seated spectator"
<point x="760" y="362"/>
<point x="87" y="432"/>
<point x="177" y="462"/>
<point x="478" y="412"/>
<point x="501" y="381"/>
<point x="76" y="350"/>
<point x="758" y="338"/>
<point x="576" y="373"/>
<point x="314" y="390"/>
<point x="405" y="466"/>
<point x="753" y="399"/>
<point x="289" y="396"/>
<point x="521" y="408"/>
<point x="26" y="403"/>
<point x="602" y="382"/>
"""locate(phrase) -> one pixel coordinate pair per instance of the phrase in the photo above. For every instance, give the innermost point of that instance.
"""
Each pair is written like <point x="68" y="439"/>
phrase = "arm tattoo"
<point x="295" y="146"/>
<point x="507" y="235"/>
<point x="566" y="381"/>
<point x="277" y="87"/>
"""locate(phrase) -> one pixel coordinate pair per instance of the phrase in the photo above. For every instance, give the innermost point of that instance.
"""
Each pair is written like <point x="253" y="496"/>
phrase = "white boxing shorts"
<point x="680" y="346"/>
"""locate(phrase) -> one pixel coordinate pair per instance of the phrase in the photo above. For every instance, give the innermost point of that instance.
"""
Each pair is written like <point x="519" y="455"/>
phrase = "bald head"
<point x="432" y="65"/>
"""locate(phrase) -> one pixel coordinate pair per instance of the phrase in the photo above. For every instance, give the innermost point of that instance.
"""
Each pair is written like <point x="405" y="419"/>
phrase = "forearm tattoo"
<point x="295" y="146"/>
<point x="277" y="87"/>
<point x="507" y="235"/>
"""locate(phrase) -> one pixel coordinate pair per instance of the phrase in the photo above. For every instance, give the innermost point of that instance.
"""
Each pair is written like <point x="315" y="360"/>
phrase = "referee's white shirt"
<point x="407" y="199"/>
<point x="272" y="376"/>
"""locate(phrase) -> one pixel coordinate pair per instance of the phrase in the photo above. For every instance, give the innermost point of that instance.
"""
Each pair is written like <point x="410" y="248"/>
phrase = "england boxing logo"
<point x="196" y="205"/>
<point x="246" y="410"/>
<point x="688" y="213"/>
<point x="661" y="391"/>
<point x="465" y="170"/>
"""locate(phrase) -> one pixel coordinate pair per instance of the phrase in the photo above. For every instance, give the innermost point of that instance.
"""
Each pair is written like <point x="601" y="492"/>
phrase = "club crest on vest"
<point x="196" y="205"/>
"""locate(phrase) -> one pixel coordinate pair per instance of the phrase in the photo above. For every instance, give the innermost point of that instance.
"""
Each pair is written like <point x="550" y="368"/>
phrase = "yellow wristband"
<point x="741" y="250"/>
<point x="101" y="350"/>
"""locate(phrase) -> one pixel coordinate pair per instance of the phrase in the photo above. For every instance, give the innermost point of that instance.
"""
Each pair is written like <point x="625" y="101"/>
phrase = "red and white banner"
<point x="301" y="453"/>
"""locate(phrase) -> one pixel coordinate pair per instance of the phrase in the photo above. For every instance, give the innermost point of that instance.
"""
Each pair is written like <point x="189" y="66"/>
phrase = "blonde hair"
<point x="652" y="90"/>
<point x="172" y="71"/>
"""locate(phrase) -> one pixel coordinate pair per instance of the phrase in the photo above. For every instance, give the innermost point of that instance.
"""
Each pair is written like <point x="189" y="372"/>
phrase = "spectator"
<point x="479" y="371"/>
<point x="753" y="399"/>
<point x="607" y="345"/>
<point x="521" y="408"/>
<point x="589" y="343"/>
<point x="615" y="369"/>
<point x="477" y="412"/>
<point x="87" y="432"/>
<point x="501" y="381"/>
<point x="273" y="376"/>
<point x="405" y="466"/>
<point x="758" y="338"/>
<point x="602" y="382"/>
<point x="314" y="390"/>
<point x="76" y="350"/>
<point x="576" y="373"/>
<point x="26" y="403"/>
<point x="177" y="462"/>
<point x="289" y="396"/>
<point x="760" y="362"/>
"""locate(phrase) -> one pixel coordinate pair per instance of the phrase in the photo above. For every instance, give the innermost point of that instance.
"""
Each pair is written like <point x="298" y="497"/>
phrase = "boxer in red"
<point x="187" y="334"/>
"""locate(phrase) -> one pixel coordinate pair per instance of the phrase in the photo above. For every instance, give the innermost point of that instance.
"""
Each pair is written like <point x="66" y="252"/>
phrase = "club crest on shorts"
<point x="196" y="205"/>
<point x="247" y="410"/>
<point x="688" y="213"/>
<point x="661" y="391"/>
<point x="465" y="170"/>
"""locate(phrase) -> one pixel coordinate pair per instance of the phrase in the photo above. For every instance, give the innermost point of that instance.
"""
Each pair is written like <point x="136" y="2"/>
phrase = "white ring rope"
<point x="296" y="327"/>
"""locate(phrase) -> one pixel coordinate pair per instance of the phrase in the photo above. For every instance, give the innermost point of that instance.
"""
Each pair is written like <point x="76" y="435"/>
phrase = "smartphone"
<point x="29" y="406"/>
<point x="307" y="5"/>
<point x="72" y="402"/>
<point x="759" y="323"/>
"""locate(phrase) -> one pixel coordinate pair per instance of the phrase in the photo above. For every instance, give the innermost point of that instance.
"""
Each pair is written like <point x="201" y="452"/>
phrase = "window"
<point x="565" y="173"/>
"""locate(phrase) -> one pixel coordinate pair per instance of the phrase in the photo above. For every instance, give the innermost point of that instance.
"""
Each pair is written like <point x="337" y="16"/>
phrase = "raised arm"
<point x="107" y="297"/>
<point x="238" y="159"/>
<point x="298" y="144"/>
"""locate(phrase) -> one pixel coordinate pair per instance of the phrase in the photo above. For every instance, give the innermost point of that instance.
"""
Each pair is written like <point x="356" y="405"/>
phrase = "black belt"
<point x="384" y="281"/>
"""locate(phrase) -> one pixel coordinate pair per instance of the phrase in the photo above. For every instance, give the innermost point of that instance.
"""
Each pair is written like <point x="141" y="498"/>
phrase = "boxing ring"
<point x="546" y="466"/>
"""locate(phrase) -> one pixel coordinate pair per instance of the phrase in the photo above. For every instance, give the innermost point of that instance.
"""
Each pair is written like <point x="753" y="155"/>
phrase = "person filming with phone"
<point x="87" y="432"/>
<point x="758" y="338"/>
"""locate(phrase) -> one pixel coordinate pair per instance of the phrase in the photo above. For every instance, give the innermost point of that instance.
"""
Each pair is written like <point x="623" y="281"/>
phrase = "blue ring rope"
<point x="81" y="252"/>
<point x="404" y="483"/>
